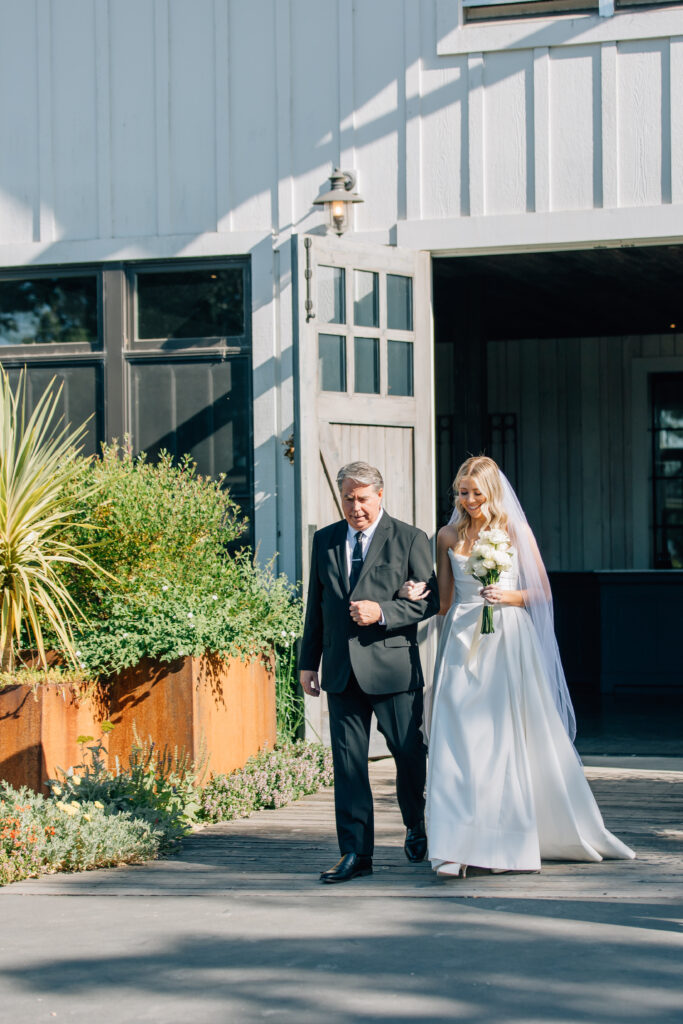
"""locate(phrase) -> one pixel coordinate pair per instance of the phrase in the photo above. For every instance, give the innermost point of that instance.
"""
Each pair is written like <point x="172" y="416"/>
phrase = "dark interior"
<point x="602" y="292"/>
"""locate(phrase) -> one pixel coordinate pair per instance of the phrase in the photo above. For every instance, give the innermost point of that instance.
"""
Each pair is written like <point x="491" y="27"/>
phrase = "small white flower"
<point x="214" y="597"/>
<point x="283" y="632"/>
<point x="190" y="615"/>
<point x="292" y="633"/>
<point x="78" y="654"/>
<point x="165" y="586"/>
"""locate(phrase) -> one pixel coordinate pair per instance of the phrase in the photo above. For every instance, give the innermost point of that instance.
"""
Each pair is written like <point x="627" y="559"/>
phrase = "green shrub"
<point x="164" y="533"/>
<point x="289" y="699"/>
<point x="39" y="835"/>
<point x="159" y="787"/>
<point x="269" y="780"/>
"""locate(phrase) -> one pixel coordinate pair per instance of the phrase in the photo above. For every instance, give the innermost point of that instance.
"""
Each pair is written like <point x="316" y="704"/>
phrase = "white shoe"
<point x="450" y="869"/>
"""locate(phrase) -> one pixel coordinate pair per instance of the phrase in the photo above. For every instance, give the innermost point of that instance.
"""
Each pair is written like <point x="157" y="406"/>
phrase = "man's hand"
<point x="364" y="613"/>
<point x="309" y="682"/>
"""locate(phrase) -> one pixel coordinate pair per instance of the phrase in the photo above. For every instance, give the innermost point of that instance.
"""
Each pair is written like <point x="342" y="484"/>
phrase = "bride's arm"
<point x="415" y="591"/>
<point x="444" y="571"/>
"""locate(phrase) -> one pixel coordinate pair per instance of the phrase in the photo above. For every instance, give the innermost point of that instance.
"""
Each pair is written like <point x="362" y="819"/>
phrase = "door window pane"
<point x="366" y="359"/>
<point x="399" y="302"/>
<point x="332" y="362"/>
<point x="49" y="311"/>
<point x="331" y="295"/>
<point x="400" y="367"/>
<point x="365" y="298"/>
<point x="206" y="303"/>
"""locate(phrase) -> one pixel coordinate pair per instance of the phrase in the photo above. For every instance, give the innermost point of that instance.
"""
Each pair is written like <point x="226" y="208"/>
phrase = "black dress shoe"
<point x="350" y="866"/>
<point x="415" y="845"/>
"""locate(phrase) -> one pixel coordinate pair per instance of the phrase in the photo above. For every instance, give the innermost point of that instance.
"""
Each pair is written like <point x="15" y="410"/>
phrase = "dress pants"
<point x="399" y="716"/>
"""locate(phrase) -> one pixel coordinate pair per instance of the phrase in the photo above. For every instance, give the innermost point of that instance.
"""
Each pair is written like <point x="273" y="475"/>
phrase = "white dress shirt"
<point x="365" y="538"/>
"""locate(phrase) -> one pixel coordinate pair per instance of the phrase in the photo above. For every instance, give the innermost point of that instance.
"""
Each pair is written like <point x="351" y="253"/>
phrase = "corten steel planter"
<point x="227" y="706"/>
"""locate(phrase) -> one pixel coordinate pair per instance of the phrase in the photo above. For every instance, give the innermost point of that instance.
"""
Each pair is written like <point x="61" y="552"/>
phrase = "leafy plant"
<point x="271" y="779"/>
<point x="38" y="463"/>
<point x="288" y="696"/>
<point x="38" y="835"/>
<point x="167" y="535"/>
<point x="157" y="786"/>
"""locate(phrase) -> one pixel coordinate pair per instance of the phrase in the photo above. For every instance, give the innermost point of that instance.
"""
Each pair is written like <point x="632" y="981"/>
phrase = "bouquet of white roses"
<point x="490" y="555"/>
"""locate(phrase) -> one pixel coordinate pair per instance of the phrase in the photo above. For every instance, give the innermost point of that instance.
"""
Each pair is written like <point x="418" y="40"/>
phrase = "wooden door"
<point x="365" y="385"/>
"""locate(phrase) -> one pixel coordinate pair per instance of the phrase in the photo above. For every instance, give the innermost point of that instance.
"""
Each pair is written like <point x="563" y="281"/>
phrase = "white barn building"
<point x="511" y="281"/>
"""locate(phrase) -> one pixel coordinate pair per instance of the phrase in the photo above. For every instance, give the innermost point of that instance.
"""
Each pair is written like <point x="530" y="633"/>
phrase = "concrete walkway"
<point x="238" y="929"/>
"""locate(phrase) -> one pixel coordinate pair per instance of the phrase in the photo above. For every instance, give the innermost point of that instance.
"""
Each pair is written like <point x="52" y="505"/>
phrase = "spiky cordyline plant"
<point x="39" y="456"/>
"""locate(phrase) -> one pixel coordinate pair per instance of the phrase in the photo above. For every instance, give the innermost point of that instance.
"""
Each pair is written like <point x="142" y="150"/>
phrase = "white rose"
<point x="489" y="563"/>
<point x="502" y="558"/>
<point x="498" y="536"/>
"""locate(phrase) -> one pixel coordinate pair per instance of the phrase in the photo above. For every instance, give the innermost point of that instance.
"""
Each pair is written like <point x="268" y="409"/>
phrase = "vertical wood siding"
<point x="573" y="399"/>
<point x="151" y="118"/>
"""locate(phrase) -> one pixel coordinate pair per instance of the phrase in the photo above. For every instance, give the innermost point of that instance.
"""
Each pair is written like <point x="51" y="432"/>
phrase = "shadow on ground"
<point x="431" y="960"/>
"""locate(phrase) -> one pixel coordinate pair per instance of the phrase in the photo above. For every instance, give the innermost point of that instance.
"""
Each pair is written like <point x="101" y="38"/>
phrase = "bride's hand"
<point x="494" y="594"/>
<point x="414" y="590"/>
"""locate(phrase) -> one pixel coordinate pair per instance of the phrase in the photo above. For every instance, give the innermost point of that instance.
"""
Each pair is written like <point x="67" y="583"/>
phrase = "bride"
<point x="505" y="787"/>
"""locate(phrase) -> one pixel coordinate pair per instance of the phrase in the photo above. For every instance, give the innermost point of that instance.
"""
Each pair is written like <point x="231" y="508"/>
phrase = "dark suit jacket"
<point x="384" y="659"/>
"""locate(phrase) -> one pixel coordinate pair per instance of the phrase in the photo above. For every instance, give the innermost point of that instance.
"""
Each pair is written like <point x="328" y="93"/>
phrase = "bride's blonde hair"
<point x="487" y="475"/>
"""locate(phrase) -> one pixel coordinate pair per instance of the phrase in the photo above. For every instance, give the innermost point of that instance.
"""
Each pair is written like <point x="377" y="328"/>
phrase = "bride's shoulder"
<point x="447" y="537"/>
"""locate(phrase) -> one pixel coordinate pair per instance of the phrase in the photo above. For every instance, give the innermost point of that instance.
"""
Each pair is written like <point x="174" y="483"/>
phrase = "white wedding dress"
<point x="505" y="788"/>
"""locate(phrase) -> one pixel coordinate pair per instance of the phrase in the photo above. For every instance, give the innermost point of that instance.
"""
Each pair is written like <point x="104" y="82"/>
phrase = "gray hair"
<point x="362" y="473"/>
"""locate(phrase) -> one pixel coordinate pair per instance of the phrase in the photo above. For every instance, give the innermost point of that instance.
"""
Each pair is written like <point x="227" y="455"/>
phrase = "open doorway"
<point x="567" y="368"/>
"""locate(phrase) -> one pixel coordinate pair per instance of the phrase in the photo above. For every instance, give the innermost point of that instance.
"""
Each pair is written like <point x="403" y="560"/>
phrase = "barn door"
<point x="365" y="381"/>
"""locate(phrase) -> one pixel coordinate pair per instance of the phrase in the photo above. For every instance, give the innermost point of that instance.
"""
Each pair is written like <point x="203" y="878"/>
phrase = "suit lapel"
<point x="340" y="547"/>
<point x="378" y="541"/>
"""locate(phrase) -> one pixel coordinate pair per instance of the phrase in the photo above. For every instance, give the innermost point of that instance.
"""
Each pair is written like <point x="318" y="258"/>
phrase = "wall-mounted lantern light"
<point x="338" y="200"/>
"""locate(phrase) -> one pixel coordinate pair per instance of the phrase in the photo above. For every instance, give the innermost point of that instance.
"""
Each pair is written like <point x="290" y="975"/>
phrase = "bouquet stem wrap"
<point x="487" y="612"/>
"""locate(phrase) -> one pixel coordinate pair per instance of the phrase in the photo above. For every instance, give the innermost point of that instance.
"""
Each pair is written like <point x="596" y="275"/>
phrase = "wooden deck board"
<point x="276" y="852"/>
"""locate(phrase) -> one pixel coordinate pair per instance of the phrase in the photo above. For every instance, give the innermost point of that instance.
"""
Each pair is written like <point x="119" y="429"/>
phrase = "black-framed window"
<point x="189" y="366"/>
<point x="498" y="10"/>
<point x="50" y="311"/>
<point x="158" y="350"/>
<point x="188" y="307"/>
<point x="666" y="394"/>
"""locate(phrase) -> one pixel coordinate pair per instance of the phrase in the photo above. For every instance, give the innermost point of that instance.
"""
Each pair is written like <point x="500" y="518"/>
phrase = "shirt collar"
<point x="367" y="533"/>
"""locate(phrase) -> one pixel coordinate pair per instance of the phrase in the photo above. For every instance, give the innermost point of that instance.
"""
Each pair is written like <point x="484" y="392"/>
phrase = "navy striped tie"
<point x="356" y="561"/>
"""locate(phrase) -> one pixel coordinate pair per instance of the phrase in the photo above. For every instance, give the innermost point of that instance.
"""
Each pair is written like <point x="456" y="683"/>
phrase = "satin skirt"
<point x="505" y="787"/>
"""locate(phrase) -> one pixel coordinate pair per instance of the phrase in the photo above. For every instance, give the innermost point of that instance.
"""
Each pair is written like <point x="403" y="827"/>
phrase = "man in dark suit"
<point x="367" y="638"/>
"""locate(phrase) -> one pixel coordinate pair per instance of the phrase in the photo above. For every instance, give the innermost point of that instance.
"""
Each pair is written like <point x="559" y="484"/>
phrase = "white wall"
<point x="155" y="128"/>
<point x="128" y="121"/>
